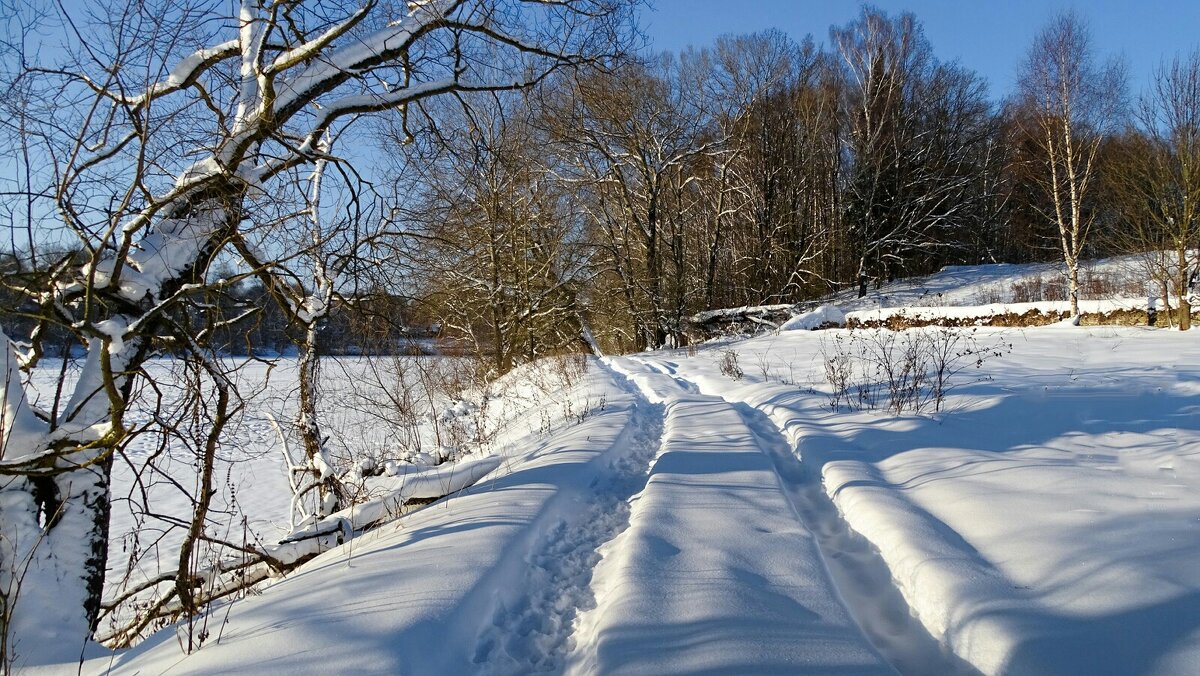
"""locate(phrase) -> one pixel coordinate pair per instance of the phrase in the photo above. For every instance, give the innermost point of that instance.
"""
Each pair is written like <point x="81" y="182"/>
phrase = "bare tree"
<point x="1075" y="102"/>
<point x="1156" y="181"/>
<point x="633" y="139"/>
<point x="169" y="149"/>
<point x="500" y="259"/>
<point x="777" y="165"/>
<point x="916" y="134"/>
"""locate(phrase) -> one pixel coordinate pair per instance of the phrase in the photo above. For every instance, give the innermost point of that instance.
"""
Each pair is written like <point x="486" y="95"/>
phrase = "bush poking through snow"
<point x="899" y="371"/>
<point x="728" y="363"/>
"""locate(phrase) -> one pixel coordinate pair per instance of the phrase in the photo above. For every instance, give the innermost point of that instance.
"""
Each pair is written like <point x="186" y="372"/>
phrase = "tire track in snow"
<point x="715" y="574"/>
<point x="536" y="634"/>
<point x="860" y="575"/>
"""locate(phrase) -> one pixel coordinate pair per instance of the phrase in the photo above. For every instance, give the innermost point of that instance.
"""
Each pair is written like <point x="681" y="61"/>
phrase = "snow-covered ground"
<point x="1048" y="521"/>
<point x="659" y="515"/>
<point x="966" y="285"/>
<point x="155" y="479"/>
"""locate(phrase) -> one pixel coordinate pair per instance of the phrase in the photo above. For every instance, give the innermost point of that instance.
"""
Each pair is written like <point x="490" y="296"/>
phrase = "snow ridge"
<point x="537" y="633"/>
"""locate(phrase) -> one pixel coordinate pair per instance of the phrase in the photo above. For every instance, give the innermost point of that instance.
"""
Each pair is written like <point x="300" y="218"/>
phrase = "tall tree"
<point x="917" y="135"/>
<point x="500" y="258"/>
<point x="778" y="167"/>
<point x="633" y="140"/>
<point x="1074" y="102"/>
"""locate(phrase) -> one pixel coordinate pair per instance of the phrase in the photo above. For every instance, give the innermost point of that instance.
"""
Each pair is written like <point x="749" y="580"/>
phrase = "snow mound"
<point x="808" y="321"/>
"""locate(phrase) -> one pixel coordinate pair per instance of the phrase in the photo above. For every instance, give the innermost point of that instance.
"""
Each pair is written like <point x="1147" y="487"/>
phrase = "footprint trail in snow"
<point x="536" y="634"/>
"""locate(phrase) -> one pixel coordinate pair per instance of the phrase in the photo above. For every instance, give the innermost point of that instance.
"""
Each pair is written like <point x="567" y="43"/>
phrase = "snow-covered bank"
<point x="442" y="591"/>
<point x="1123" y="311"/>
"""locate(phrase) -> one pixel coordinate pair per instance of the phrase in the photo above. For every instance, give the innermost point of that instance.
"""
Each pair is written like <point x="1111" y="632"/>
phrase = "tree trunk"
<point x="53" y="550"/>
<point x="714" y="249"/>
<point x="1185" y="307"/>
<point x="1073" y="288"/>
<point x="329" y="497"/>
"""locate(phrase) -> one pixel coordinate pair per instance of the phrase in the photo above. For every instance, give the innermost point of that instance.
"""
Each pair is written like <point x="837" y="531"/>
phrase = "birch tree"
<point x="173" y="128"/>
<point x="1074" y="102"/>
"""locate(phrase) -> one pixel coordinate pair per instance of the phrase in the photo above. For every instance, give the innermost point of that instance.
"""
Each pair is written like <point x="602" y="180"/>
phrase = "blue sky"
<point x="988" y="36"/>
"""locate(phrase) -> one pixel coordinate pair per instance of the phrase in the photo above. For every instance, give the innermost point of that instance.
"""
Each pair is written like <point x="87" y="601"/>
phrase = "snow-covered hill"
<point x="731" y="509"/>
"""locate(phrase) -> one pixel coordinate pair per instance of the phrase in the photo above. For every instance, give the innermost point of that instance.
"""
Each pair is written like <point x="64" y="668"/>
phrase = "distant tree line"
<point x="764" y="170"/>
<point x="374" y="323"/>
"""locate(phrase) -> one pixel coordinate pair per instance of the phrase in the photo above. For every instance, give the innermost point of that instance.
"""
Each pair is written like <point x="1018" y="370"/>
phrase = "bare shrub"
<point x="1055" y="289"/>
<point x="949" y="353"/>
<point x="762" y="361"/>
<point x="728" y="363"/>
<point x="1124" y="282"/>
<point x="898" y="371"/>
<point x="992" y="294"/>
<point x="839" y="368"/>
<point x="569" y="368"/>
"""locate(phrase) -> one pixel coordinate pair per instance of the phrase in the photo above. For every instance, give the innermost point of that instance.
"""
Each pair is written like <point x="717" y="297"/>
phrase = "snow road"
<point x="715" y="574"/>
<point x="861" y="577"/>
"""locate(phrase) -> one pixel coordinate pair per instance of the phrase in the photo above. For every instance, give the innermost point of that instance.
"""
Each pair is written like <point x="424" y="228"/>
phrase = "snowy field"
<point x="661" y="513"/>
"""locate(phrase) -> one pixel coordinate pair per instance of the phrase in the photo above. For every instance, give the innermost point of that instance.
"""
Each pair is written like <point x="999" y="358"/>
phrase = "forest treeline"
<point x="762" y="170"/>
<point x="618" y="201"/>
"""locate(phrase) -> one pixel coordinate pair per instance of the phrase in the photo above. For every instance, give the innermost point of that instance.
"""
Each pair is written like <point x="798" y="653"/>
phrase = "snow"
<point x="981" y="312"/>
<point x="165" y="250"/>
<point x="715" y="574"/>
<point x="437" y="591"/>
<point x="20" y="430"/>
<point x="1045" y="524"/>
<point x="53" y="633"/>
<point x="734" y="312"/>
<point x="429" y="484"/>
<point x="962" y="285"/>
<point x="310" y="309"/>
<point x="115" y="329"/>
<point x="825" y="315"/>
<point x="657" y="516"/>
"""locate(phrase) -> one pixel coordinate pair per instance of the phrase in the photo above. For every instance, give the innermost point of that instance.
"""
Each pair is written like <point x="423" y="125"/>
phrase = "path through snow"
<point x="535" y="634"/>
<point x="861" y="576"/>
<point x="714" y="573"/>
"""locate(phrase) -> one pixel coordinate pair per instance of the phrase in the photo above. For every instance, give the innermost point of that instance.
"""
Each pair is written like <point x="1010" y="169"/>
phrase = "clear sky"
<point x="988" y="36"/>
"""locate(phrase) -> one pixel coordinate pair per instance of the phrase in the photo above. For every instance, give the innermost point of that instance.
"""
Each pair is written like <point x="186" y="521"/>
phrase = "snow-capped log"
<point x="169" y="163"/>
<point x="739" y="320"/>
